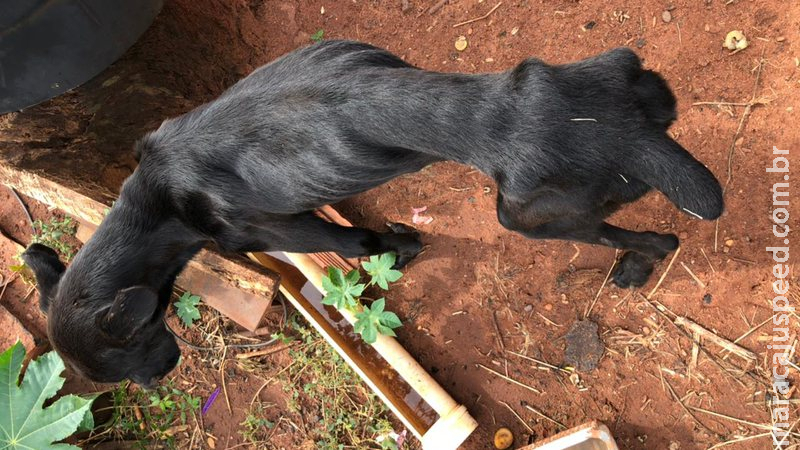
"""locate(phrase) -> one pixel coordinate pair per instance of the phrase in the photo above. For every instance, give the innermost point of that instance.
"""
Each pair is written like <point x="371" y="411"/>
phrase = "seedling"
<point x="344" y="292"/>
<point x="153" y="417"/>
<point x="380" y="269"/>
<point x="338" y="409"/>
<point x="186" y="308"/>
<point x="318" y="36"/>
<point x="24" y="424"/>
<point x="256" y="427"/>
<point x="372" y="321"/>
<point x="52" y="234"/>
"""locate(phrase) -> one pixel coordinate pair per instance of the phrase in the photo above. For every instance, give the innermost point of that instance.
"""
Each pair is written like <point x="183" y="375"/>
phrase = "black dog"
<point x="566" y="144"/>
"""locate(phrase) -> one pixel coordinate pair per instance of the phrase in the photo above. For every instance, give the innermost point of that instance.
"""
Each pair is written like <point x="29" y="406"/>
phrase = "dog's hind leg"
<point x="643" y="249"/>
<point x="307" y="233"/>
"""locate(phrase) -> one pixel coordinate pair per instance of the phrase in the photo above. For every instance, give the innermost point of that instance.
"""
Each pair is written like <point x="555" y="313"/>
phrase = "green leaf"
<point x="316" y="37"/>
<point x="373" y="320"/>
<point x="380" y="269"/>
<point x="390" y="319"/>
<point x="342" y="291"/>
<point x="186" y="308"/>
<point x="370" y="335"/>
<point x="24" y="424"/>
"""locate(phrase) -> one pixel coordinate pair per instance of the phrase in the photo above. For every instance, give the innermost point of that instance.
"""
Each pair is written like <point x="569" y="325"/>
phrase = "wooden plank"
<point x="235" y="287"/>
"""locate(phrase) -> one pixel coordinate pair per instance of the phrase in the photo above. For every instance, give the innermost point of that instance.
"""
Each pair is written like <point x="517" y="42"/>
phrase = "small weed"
<point x="318" y="36"/>
<point x="52" y="234"/>
<point x="256" y="427"/>
<point x="154" y="417"/>
<point x="186" y="308"/>
<point x="338" y="409"/>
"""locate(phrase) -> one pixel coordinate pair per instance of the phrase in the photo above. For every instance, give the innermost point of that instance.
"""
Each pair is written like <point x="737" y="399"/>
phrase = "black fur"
<point x="567" y="145"/>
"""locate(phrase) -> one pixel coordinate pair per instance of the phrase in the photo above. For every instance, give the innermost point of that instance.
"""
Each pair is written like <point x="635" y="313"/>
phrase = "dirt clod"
<point x="584" y="347"/>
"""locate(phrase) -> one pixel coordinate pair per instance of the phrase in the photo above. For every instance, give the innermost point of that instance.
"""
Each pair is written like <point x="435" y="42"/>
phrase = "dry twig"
<point x="509" y="379"/>
<point x="479" y="18"/>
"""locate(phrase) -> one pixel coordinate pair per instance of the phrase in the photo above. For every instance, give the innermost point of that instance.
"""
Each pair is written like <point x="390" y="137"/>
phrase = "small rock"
<point x="640" y="43"/>
<point x="514" y="31"/>
<point x="707" y="299"/>
<point x="584" y="347"/>
<point x="666" y="16"/>
<point x="488" y="60"/>
<point x="729" y="243"/>
<point x="674" y="446"/>
<point x="780" y="38"/>
<point x="548" y="307"/>
<point x="212" y="443"/>
<point x="461" y="43"/>
<point x="528" y="308"/>
<point x="589" y="25"/>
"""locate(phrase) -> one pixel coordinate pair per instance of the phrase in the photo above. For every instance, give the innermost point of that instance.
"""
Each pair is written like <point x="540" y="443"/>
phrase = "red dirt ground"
<point x="473" y="269"/>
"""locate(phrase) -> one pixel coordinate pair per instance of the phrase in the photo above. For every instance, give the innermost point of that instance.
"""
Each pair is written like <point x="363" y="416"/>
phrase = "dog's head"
<point x="121" y="336"/>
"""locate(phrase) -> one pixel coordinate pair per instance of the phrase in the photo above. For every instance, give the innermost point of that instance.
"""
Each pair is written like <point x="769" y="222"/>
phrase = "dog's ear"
<point x="47" y="268"/>
<point x="132" y="309"/>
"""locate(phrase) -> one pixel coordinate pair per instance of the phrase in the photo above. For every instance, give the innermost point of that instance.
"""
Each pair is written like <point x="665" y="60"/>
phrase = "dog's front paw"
<point x="405" y="243"/>
<point x="633" y="270"/>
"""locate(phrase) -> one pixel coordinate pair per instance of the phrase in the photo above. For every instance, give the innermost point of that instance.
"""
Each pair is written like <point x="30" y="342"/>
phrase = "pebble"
<point x="729" y="243"/>
<point x="514" y="31"/>
<point x="666" y="16"/>
<point x="780" y="38"/>
<point x="548" y="307"/>
<point x="528" y="308"/>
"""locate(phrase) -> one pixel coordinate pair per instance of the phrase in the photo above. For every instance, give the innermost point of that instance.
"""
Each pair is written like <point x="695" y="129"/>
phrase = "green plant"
<point x="318" y="36"/>
<point x="374" y="320"/>
<point x="380" y="269"/>
<point x="186" y="308"/>
<point x="256" y="427"/>
<point x="152" y="416"/>
<point x="53" y="234"/>
<point x="24" y="424"/>
<point x="344" y="292"/>
<point x="338" y="410"/>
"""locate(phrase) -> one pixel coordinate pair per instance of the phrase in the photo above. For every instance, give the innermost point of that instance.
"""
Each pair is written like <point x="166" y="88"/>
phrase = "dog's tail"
<point x="663" y="164"/>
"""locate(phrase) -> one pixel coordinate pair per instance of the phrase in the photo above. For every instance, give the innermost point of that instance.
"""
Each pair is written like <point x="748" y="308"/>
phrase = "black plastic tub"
<point x="48" y="47"/>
